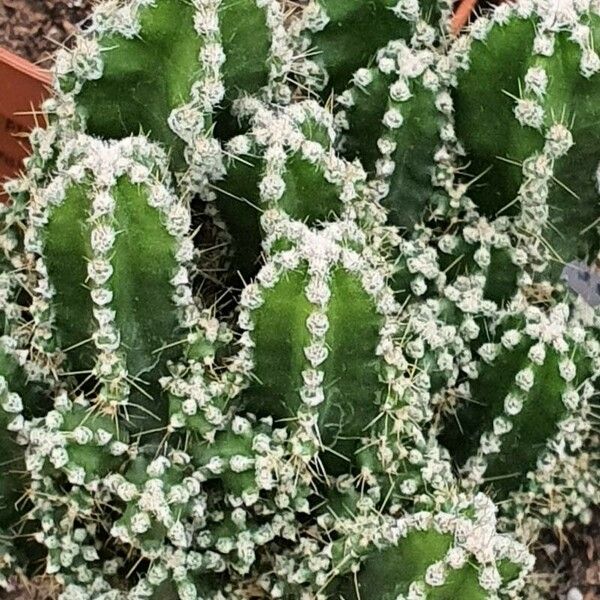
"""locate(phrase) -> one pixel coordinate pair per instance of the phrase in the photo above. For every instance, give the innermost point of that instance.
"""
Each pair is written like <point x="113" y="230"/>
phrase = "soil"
<point x="572" y="564"/>
<point x="39" y="589"/>
<point x="34" y="29"/>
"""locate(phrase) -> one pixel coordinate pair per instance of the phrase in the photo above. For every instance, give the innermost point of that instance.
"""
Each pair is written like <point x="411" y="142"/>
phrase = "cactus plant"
<point x="404" y="81"/>
<point x="401" y="398"/>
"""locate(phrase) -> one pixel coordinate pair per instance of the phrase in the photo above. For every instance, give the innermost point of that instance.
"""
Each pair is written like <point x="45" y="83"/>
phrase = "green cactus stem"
<point x="397" y="120"/>
<point x="478" y="245"/>
<point x="162" y="67"/>
<point x="530" y="394"/>
<point x="113" y="304"/>
<point x="286" y="162"/>
<point x="529" y="131"/>
<point x="338" y="376"/>
<point x="147" y="500"/>
<point x="337" y="38"/>
<point x="428" y="556"/>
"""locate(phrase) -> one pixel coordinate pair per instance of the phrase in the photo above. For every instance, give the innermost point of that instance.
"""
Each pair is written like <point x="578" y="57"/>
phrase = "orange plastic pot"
<point x="23" y="86"/>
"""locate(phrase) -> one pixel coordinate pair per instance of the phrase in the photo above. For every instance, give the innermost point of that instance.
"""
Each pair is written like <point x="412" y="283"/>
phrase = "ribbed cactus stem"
<point x="423" y="556"/>
<point x="530" y="394"/>
<point x="397" y="119"/>
<point x="529" y="133"/>
<point x="105" y="288"/>
<point x="286" y="162"/>
<point x="337" y="38"/>
<point x="488" y="248"/>
<point x="333" y="300"/>
<point x="162" y="67"/>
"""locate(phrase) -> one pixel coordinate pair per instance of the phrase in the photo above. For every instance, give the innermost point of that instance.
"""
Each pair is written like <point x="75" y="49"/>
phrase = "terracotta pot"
<point x="22" y="88"/>
<point x="462" y="13"/>
<point x="465" y="9"/>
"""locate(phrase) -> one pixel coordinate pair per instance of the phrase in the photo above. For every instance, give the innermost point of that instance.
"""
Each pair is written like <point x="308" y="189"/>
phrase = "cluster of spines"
<point x="300" y="285"/>
<point x="56" y="452"/>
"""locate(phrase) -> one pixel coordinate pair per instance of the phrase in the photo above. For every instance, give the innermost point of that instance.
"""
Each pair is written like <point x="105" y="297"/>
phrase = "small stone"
<point x="574" y="594"/>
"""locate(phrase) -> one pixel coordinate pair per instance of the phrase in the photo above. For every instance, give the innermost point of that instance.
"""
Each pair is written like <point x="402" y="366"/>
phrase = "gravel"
<point x="35" y="28"/>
